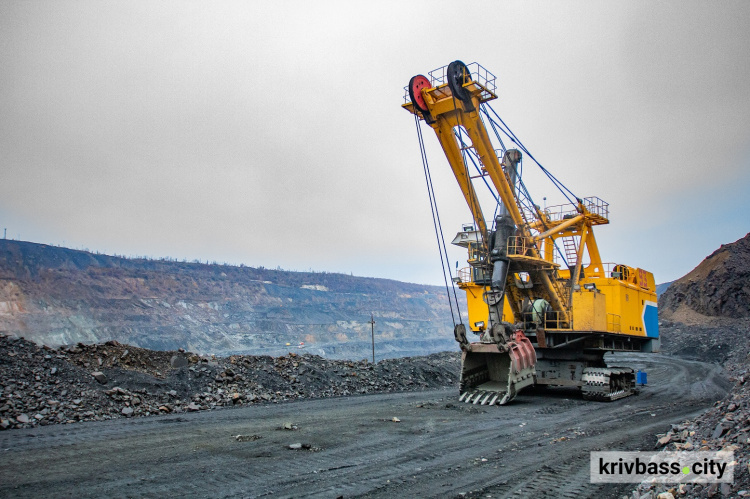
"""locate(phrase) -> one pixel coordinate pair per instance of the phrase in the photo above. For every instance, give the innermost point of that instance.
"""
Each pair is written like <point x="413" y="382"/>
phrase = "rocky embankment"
<point x="59" y="296"/>
<point x="705" y="315"/>
<point x="40" y="385"/>
<point x="718" y="287"/>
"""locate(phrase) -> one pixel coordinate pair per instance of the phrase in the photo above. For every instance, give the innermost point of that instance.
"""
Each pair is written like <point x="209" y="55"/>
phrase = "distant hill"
<point x="61" y="296"/>
<point x="719" y="286"/>
<point x="661" y="288"/>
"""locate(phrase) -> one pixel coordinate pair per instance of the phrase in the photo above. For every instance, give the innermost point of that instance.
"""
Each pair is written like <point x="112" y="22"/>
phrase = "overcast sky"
<point x="271" y="133"/>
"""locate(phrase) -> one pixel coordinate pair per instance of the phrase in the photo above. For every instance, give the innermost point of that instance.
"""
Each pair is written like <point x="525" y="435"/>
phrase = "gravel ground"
<point x="409" y="444"/>
<point x="41" y="386"/>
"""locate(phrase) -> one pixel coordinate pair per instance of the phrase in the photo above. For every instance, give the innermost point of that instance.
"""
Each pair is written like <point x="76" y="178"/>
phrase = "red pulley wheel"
<point x="416" y="84"/>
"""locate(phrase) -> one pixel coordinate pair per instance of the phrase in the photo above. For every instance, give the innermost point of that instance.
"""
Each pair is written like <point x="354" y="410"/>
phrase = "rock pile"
<point x="41" y="385"/>
<point x="709" y="339"/>
<point x="726" y="426"/>
<point x="719" y="286"/>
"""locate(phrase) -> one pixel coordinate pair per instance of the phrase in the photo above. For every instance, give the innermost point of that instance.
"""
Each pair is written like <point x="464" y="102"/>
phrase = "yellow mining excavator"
<point x="544" y="305"/>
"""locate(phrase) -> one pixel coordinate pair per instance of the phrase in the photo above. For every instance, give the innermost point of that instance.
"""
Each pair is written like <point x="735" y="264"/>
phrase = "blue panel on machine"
<point x="651" y="320"/>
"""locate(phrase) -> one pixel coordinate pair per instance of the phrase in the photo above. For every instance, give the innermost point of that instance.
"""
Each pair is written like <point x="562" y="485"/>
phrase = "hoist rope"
<point x="497" y="135"/>
<point x="509" y="133"/>
<point x="442" y="250"/>
<point x="560" y="186"/>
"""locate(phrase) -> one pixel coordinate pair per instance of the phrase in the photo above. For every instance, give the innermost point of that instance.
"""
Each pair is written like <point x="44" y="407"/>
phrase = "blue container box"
<point x="640" y="378"/>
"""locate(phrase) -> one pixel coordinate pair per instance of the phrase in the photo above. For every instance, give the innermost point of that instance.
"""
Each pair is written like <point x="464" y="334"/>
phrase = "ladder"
<point x="571" y="250"/>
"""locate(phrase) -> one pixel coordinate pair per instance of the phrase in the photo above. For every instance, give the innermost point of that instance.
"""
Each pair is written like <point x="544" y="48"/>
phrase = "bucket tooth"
<point x="506" y="398"/>
<point x="479" y="395"/>
<point x="463" y="396"/>
<point x="484" y="400"/>
<point x="494" y="399"/>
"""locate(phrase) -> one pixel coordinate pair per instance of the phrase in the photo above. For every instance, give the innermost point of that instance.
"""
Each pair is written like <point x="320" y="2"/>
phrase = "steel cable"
<point x="442" y="250"/>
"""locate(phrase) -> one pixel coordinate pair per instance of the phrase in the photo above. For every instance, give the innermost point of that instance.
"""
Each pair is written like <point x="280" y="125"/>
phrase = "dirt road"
<point x="537" y="446"/>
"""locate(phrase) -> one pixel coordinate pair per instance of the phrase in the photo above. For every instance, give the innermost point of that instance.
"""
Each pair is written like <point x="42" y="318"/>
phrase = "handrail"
<point x="593" y="205"/>
<point x="479" y="75"/>
<point x="553" y="320"/>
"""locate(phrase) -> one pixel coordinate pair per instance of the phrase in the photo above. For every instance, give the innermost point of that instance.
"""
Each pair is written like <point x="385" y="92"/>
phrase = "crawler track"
<point x="605" y="384"/>
<point x="539" y="445"/>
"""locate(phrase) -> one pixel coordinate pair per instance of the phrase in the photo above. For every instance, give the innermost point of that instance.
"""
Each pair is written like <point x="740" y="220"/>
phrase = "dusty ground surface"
<point x="536" y="447"/>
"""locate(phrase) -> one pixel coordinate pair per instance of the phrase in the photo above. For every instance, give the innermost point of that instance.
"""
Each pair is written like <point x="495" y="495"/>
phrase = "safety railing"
<point x="464" y="275"/>
<point x="522" y="246"/>
<point x="529" y="214"/>
<point x="547" y="320"/>
<point x="518" y="245"/>
<point x="473" y="275"/>
<point x="479" y="75"/>
<point x="596" y="206"/>
<point x="593" y="205"/>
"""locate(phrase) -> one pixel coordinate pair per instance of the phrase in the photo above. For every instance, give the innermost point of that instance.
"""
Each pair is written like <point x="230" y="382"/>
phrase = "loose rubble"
<point x="247" y="438"/>
<point x="705" y="315"/>
<point x="726" y="426"/>
<point x="42" y="386"/>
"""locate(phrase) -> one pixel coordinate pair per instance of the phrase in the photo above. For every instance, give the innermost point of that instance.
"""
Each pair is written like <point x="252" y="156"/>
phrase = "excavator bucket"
<point x="494" y="374"/>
